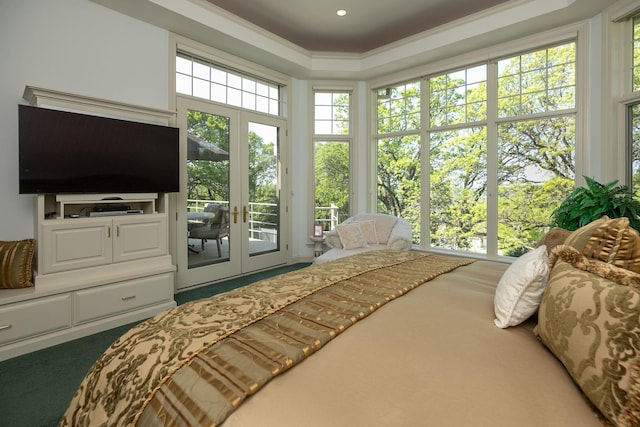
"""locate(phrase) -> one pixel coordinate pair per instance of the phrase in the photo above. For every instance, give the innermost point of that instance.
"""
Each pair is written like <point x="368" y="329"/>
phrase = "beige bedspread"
<point x="195" y="364"/>
<point x="431" y="358"/>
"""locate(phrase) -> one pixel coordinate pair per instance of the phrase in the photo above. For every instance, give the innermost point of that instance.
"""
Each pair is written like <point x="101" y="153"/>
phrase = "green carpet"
<point x="35" y="389"/>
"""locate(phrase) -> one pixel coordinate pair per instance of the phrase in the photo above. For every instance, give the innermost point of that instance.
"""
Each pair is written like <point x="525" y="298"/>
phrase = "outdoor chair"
<point x="215" y="228"/>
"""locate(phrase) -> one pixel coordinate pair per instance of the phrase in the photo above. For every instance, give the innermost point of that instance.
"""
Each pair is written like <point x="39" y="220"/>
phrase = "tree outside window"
<point x="332" y="141"/>
<point x="533" y="134"/>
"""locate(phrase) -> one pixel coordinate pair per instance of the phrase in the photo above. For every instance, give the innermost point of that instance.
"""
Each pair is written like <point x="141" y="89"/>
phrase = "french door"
<point x="229" y="212"/>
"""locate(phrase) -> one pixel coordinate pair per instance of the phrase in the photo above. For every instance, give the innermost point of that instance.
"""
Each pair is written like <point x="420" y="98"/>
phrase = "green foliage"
<point x="208" y="180"/>
<point x="332" y="178"/>
<point x="398" y="174"/>
<point x="535" y="167"/>
<point x="589" y="203"/>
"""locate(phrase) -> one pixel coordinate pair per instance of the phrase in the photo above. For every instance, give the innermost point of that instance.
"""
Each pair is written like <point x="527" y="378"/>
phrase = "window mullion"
<point x="492" y="159"/>
<point x="425" y="144"/>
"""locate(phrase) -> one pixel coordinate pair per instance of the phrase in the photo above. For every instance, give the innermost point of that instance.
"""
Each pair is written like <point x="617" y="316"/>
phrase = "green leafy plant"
<point x="589" y="203"/>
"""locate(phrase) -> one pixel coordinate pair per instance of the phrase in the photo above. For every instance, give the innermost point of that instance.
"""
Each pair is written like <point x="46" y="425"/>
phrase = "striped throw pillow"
<point x="16" y="263"/>
<point x="610" y="240"/>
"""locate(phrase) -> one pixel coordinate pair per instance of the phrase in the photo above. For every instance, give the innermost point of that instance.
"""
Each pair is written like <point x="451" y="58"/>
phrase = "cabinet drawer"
<point x="103" y="301"/>
<point x="27" y="319"/>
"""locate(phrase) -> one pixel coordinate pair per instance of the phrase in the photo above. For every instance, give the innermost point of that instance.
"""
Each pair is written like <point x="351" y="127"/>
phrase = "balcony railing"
<point x="327" y="216"/>
<point x="263" y="217"/>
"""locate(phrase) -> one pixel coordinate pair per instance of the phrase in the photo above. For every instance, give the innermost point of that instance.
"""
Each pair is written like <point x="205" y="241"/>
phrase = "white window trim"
<point x="617" y="81"/>
<point x="352" y="137"/>
<point x="579" y="32"/>
<point x="179" y="43"/>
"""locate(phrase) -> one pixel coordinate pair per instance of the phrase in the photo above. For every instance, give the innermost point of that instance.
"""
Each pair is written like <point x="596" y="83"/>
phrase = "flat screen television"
<point x="61" y="152"/>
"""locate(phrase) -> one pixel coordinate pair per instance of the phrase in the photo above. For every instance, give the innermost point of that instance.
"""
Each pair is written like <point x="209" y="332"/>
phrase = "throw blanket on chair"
<point x="196" y="363"/>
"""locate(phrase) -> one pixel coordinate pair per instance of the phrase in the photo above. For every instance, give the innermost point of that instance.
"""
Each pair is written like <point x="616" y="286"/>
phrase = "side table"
<point x="317" y="245"/>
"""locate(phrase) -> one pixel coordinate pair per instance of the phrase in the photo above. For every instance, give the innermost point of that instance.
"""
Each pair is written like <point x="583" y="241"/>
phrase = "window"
<point x="536" y="141"/>
<point x="635" y="86"/>
<point x="204" y="79"/>
<point x="398" y="152"/>
<point x="458" y="159"/>
<point x="633" y="113"/>
<point x="507" y="124"/>
<point x="332" y="143"/>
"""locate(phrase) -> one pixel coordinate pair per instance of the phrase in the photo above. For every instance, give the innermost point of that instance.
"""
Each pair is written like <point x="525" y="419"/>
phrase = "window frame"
<point x="617" y="74"/>
<point x="322" y="86"/>
<point x="578" y="33"/>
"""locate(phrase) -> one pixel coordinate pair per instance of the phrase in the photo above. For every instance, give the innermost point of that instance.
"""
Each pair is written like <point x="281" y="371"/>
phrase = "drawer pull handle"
<point x="128" y="298"/>
<point x="3" y="327"/>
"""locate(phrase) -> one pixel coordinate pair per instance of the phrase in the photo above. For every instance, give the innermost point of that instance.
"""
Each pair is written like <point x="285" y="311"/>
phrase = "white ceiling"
<point x="368" y="24"/>
<point x="306" y="40"/>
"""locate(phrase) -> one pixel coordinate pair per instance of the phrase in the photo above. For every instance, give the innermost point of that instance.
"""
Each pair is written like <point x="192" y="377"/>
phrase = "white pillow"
<point x="351" y="236"/>
<point x="520" y="288"/>
<point x="368" y="229"/>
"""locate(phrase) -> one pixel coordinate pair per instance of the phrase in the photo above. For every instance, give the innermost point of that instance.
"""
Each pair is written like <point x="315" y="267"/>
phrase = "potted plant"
<point x="586" y="204"/>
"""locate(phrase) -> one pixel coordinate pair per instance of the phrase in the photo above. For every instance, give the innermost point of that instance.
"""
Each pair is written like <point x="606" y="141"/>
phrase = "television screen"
<point x="62" y="152"/>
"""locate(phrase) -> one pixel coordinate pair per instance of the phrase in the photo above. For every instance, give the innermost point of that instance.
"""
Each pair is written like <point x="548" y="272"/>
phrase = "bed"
<point x="382" y="338"/>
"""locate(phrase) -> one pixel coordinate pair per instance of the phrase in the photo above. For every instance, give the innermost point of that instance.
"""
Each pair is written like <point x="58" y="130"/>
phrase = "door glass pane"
<point x="207" y="188"/>
<point x="262" y="215"/>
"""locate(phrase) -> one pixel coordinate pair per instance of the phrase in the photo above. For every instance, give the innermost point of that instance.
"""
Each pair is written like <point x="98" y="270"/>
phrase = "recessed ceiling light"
<point x="341" y="12"/>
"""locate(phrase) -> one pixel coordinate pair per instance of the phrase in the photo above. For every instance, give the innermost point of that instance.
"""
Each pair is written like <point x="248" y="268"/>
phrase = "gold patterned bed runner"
<point x="194" y="364"/>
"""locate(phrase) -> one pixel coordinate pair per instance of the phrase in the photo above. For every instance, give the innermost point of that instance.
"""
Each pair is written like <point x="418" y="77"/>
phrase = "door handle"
<point x="244" y="214"/>
<point x="235" y="214"/>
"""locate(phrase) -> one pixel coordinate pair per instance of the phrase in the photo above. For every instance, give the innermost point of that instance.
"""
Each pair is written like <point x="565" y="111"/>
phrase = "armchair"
<point x="366" y="232"/>
<point x="215" y="228"/>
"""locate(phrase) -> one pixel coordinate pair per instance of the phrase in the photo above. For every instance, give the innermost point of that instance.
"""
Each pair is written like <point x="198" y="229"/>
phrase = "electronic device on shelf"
<point x="113" y="209"/>
<point x="110" y="208"/>
<point x="114" y="213"/>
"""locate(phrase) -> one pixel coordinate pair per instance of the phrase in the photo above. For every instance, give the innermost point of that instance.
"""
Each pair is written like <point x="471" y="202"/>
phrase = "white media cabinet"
<point x="92" y="273"/>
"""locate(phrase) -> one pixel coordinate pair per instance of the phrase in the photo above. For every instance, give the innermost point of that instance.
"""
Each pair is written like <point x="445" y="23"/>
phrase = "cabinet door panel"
<point x="69" y="246"/>
<point x="139" y="237"/>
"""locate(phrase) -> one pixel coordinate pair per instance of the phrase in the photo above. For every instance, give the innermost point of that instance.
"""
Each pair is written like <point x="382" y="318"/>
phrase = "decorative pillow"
<point x="369" y="231"/>
<point x="592" y="325"/>
<point x="351" y="236"/>
<point x="16" y="263"/>
<point x="554" y="237"/>
<point x="520" y="289"/>
<point x="611" y="272"/>
<point x="630" y="416"/>
<point x="384" y="224"/>
<point x="609" y="240"/>
<point x="332" y="239"/>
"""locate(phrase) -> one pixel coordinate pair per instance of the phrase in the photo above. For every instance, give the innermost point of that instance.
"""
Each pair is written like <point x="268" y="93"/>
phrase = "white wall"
<point x="299" y="138"/>
<point x="72" y="46"/>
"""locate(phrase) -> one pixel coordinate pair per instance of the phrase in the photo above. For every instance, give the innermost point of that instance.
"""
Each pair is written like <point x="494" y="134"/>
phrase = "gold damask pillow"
<point x="16" y="263"/>
<point x="609" y="240"/>
<point x="630" y="417"/>
<point x="592" y="325"/>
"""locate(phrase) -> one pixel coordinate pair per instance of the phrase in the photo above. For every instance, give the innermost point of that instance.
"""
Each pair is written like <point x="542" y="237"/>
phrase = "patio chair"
<point x="215" y="228"/>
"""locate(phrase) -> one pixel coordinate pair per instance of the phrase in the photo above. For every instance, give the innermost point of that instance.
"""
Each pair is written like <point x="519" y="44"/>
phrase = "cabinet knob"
<point x="128" y="298"/>
<point x="3" y="327"/>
